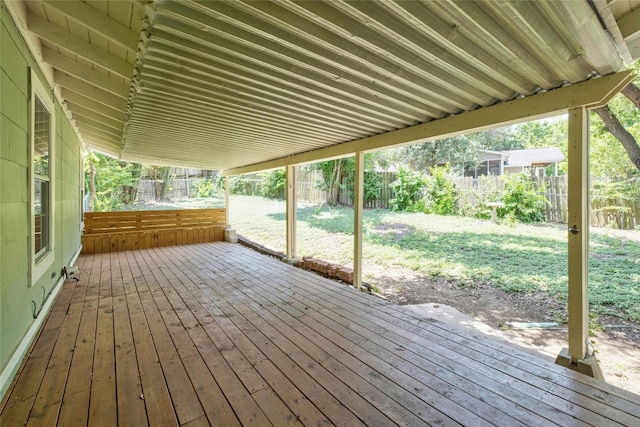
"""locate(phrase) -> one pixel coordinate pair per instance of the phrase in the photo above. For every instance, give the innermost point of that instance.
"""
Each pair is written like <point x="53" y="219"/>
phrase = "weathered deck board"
<point x="417" y="377"/>
<point x="215" y="334"/>
<point x="473" y="353"/>
<point x="131" y="410"/>
<point x="78" y="385"/>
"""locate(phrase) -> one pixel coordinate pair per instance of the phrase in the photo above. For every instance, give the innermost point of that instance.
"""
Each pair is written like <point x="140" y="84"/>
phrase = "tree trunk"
<point x="613" y="125"/>
<point x="92" y="184"/>
<point x="632" y="92"/>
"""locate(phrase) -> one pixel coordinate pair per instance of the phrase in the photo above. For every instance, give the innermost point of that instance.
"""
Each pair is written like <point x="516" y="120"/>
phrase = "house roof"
<point x="526" y="158"/>
<point x="223" y="85"/>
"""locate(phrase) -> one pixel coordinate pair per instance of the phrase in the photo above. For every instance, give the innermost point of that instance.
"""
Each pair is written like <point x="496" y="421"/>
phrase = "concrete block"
<point x="230" y="235"/>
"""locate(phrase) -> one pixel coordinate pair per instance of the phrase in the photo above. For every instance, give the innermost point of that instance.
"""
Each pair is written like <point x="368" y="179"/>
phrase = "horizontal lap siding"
<point x="121" y="231"/>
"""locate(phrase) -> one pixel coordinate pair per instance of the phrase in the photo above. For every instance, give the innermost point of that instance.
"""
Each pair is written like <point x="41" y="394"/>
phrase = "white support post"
<point x="229" y="233"/>
<point x="291" y="212"/>
<point x="578" y="204"/>
<point x="576" y="356"/>
<point x="358" y="202"/>
<point x="226" y="200"/>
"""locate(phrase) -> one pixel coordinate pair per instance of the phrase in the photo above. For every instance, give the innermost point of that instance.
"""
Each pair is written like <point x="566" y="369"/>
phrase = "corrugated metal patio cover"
<point x="221" y="84"/>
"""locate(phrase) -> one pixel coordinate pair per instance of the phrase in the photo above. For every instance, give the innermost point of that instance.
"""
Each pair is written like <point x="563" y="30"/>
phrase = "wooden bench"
<point x="121" y="231"/>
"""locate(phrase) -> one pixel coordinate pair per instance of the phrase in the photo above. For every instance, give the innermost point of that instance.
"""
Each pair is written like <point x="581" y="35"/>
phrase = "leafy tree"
<point x="112" y="183"/>
<point x="543" y="133"/>
<point x="332" y="174"/>
<point x="458" y="151"/>
<point x="498" y="139"/>
<point x="334" y="171"/>
<point x="274" y="183"/>
<point x="162" y="177"/>
<point x="621" y="119"/>
<point x="462" y="151"/>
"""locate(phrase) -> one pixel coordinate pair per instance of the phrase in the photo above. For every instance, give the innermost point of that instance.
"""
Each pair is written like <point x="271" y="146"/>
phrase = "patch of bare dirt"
<point x="616" y="341"/>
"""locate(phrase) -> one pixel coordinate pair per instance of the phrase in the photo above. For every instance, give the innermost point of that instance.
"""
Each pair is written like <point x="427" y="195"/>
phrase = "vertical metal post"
<point x="358" y="202"/>
<point x="291" y="211"/>
<point x="226" y="200"/>
<point x="578" y="240"/>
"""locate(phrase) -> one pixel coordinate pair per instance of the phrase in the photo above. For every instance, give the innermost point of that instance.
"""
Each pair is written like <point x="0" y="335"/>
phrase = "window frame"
<point x="42" y="262"/>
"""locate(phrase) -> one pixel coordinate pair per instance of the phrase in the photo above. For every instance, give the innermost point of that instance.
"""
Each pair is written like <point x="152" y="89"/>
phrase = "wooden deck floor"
<point x="215" y="334"/>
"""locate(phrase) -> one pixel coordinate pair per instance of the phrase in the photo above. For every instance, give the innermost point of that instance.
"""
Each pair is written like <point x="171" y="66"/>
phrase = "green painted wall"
<point x="16" y="295"/>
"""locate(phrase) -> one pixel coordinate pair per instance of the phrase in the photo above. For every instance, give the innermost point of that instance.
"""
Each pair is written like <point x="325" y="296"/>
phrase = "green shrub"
<point x="203" y="189"/>
<point x="407" y="191"/>
<point x="372" y="186"/>
<point x="274" y="183"/>
<point x="441" y="195"/>
<point x="523" y="200"/>
<point x="241" y="185"/>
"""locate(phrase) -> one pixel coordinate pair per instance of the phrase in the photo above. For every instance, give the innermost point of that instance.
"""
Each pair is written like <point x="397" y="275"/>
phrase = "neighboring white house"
<point x="514" y="161"/>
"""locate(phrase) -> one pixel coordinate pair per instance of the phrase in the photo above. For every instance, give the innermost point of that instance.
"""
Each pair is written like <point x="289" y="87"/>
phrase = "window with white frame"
<point x="42" y="177"/>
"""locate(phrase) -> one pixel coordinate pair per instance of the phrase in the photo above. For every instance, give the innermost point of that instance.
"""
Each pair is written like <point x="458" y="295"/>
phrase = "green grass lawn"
<point x="465" y="251"/>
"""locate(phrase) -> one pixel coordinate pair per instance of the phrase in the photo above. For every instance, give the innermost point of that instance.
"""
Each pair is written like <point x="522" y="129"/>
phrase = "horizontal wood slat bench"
<point x="121" y="231"/>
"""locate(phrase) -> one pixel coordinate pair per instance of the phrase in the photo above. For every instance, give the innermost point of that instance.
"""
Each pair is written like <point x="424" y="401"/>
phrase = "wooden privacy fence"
<point x="623" y="213"/>
<point x="177" y="188"/>
<point x="618" y="212"/>
<point x="308" y="186"/>
<point x="120" y="231"/>
<point x="382" y="197"/>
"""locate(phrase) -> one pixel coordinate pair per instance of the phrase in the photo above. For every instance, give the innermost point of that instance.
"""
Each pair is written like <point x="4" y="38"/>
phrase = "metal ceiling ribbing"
<point x="92" y="47"/>
<point x="222" y="84"/>
<point x="262" y="80"/>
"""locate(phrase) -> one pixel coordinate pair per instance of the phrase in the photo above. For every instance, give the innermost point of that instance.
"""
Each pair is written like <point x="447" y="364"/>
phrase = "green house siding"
<point x="17" y="294"/>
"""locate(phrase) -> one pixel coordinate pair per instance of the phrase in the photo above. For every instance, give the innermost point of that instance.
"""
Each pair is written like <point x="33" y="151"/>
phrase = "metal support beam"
<point x="591" y="94"/>
<point x="93" y="105"/>
<point x="291" y="211"/>
<point x="578" y="220"/>
<point x="77" y="85"/>
<point x="79" y="111"/>
<point x="98" y="77"/>
<point x="97" y="94"/>
<point x="99" y="22"/>
<point x="630" y="24"/>
<point x="358" y="202"/>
